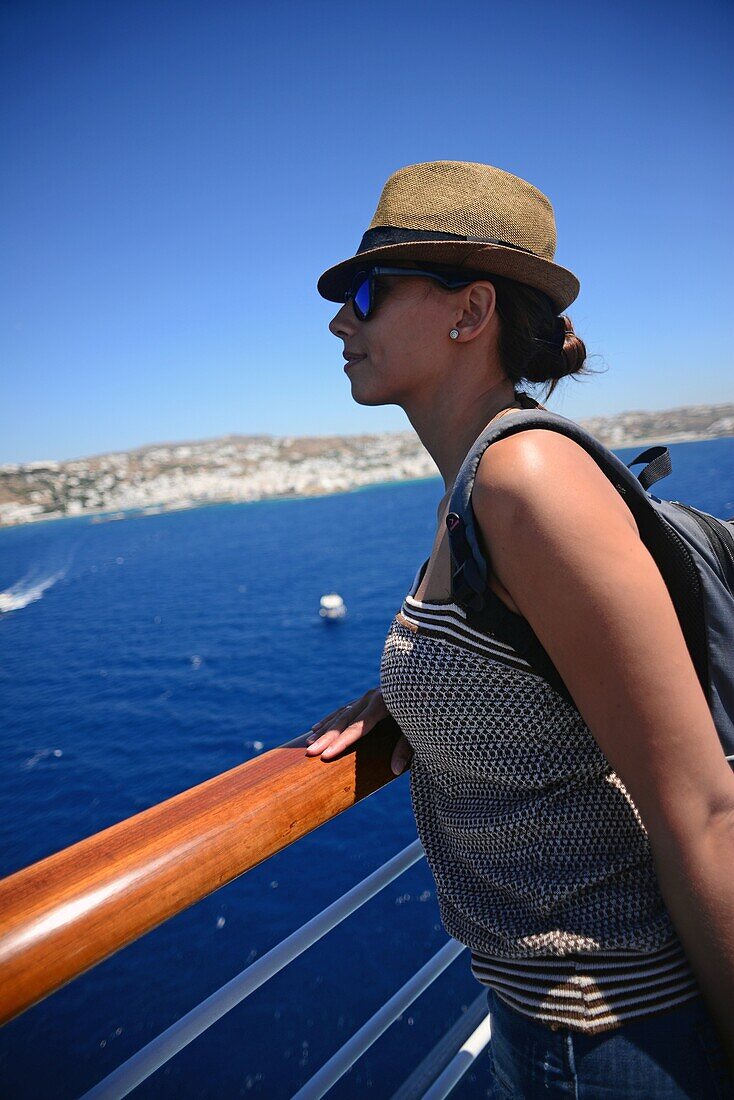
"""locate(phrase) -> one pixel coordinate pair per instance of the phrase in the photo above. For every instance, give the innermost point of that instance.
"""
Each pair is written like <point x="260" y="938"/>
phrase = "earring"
<point x="454" y="334"/>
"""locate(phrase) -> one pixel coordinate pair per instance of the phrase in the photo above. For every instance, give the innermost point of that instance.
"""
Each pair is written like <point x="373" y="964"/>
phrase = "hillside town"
<point x="235" y="468"/>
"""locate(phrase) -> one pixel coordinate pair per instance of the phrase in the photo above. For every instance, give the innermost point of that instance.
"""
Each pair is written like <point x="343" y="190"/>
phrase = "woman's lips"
<point x="354" y="359"/>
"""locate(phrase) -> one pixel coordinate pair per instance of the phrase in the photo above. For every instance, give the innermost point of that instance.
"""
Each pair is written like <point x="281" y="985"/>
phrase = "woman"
<point x="530" y="801"/>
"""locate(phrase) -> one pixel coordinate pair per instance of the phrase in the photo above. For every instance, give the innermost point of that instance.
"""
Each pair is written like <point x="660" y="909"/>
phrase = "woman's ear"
<point x="478" y="304"/>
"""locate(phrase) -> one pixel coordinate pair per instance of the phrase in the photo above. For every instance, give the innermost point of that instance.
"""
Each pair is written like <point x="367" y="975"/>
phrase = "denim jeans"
<point x="667" y="1056"/>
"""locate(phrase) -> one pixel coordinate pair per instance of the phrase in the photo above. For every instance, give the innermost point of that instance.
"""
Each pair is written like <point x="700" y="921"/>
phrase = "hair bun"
<point x="573" y="349"/>
<point x="535" y="345"/>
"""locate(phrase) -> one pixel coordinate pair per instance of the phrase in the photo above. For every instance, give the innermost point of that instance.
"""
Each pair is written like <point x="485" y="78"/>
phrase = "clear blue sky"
<point x="176" y="176"/>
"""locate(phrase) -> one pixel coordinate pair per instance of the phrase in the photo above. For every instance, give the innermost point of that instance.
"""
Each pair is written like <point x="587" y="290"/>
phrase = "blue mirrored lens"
<point x="362" y="298"/>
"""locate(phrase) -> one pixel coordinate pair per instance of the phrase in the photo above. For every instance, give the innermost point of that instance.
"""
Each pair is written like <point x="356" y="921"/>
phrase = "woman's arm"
<point x="565" y="546"/>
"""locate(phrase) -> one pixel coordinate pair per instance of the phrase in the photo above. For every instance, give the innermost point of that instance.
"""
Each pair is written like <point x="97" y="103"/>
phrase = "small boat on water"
<point x="332" y="606"/>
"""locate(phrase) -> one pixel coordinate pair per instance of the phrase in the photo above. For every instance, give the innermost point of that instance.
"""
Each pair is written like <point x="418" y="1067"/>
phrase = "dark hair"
<point x="535" y="345"/>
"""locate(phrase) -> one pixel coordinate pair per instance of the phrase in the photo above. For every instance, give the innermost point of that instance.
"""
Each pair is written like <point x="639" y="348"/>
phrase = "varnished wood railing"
<point x="61" y="916"/>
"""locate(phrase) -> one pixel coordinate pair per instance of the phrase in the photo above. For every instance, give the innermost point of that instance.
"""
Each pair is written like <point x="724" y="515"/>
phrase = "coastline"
<point x="666" y="440"/>
<point x="110" y="516"/>
<point x="101" y="515"/>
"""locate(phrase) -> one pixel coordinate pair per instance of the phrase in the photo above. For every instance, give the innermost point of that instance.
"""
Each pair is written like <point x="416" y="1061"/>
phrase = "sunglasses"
<point x="362" y="290"/>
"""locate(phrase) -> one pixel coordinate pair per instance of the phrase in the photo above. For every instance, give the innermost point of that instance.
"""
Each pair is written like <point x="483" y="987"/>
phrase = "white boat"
<point x="332" y="606"/>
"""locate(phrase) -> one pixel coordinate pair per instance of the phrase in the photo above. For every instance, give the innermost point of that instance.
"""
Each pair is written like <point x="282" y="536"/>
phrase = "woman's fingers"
<point x="345" y="725"/>
<point x="333" y="724"/>
<point x="318" y="727"/>
<point x="337" y="715"/>
<point x="402" y="755"/>
<point x="347" y="737"/>
<point x="326" y="731"/>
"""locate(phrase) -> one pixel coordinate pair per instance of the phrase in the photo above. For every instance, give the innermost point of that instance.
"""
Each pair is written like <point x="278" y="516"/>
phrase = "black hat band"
<point x="390" y="234"/>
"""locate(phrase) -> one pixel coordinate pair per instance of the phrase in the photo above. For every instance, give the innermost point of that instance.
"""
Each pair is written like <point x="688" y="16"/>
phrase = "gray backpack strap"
<point x="693" y="551"/>
<point x="658" y="465"/>
<point x="469" y="568"/>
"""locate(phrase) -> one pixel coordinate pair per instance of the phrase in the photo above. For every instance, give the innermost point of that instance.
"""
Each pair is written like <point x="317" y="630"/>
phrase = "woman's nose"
<point x="342" y="324"/>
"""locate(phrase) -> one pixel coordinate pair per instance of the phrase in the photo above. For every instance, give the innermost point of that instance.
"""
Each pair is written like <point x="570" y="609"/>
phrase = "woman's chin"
<point x="364" y="393"/>
<point x="363" y="397"/>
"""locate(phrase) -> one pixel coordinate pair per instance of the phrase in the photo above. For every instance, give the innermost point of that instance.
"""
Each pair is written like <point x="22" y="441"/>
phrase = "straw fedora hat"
<point x="464" y="215"/>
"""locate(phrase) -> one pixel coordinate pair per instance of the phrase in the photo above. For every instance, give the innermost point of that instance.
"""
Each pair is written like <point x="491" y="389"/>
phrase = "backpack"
<point x="693" y="551"/>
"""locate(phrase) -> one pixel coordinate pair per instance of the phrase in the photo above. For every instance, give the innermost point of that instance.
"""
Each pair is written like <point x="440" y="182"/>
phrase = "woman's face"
<point x="402" y="347"/>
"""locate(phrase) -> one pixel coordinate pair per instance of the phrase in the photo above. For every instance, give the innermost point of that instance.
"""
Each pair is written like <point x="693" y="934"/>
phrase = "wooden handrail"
<point x="61" y="916"/>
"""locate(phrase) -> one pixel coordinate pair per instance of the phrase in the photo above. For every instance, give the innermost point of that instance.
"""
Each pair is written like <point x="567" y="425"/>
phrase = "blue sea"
<point x="153" y="653"/>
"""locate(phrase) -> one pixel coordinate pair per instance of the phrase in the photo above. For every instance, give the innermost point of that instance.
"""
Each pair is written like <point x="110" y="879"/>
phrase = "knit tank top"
<point x="541" y="862"/>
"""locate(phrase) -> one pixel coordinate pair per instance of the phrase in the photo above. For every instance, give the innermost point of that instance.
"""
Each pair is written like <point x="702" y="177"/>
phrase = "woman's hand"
<point x="337" y="731"/>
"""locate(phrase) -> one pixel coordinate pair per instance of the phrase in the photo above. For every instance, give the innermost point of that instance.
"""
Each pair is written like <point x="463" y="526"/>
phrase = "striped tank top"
<point x="541" y="862"/>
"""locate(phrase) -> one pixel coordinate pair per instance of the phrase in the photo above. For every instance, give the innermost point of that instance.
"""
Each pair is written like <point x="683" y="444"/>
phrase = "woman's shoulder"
<point x="543" y="474"/>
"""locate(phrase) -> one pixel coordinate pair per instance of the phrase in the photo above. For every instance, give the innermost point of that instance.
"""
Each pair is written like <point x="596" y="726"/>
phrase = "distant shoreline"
<point x="666" y="441"/>
<point x="117" y="515"/>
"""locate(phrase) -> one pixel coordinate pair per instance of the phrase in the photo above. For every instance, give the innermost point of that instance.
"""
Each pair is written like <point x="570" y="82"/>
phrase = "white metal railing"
<point x="161" y="1049"/>
<point x="370" y="1032"/>
<point x="454" y="1049"/>
<point x="465" y="1056"/>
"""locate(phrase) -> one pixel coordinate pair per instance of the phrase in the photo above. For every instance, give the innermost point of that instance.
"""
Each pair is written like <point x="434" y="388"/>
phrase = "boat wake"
<point x="28" y="589"/>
